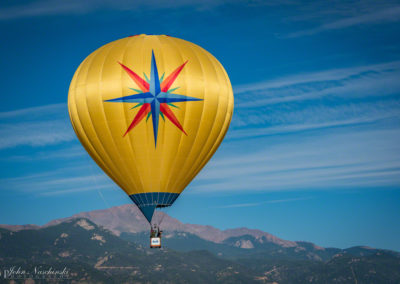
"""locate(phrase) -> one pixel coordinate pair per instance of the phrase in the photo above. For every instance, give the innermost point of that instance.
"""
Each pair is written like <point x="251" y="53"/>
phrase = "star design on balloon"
<point x="154" y="97"/>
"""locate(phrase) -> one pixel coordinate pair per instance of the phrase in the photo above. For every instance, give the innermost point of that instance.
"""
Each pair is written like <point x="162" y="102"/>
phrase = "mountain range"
<point x="128" y="219"/>
<point x="111" y="246"/>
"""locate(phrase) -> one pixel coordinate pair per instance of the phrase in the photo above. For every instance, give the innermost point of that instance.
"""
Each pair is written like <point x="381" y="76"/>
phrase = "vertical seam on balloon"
<point x="219" y="140"/>
<point x="230" y="96"/>
<point x="168" y="177"/>
<point x="160" y="199"/>
<point x="90" y="121"/>
<point x="174" y="183"/>
<point x="227" y="118"/>
<point x="141" y="200"/>
<point x="133" y="181"/>
<point x="163" y="198"/>
<point x="161" y="156"/>
<point x="132" y="151"/>
<point x="114" y="171"/>
<point x="214" y="148"/>
<point x="147" y="169"/>
<point x="225" y="124"/>
<point x="73" y="122"/>
<point x="161" y="55"/>
<point x="204" y="77"/>
<point x="151" y="195"/>
<point x="70" y="106"/>
<point x="216" y="114"/>
<point x="169" y="195"/>
<point x="172" y="42"/>
<point x="206" y="140"/>
<point x="105" y="117"/>
<point x="163" y="164"/>
<point x="87" y="107"/>
<point x="166" y="198"/>
<point x="92" y="149"/>
<point x="206" y="157"/>
<point x="169" y="199"/>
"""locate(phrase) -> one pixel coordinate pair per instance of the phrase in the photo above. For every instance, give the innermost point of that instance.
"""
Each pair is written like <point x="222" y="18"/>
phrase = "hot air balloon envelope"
<point x="151" y="111"/>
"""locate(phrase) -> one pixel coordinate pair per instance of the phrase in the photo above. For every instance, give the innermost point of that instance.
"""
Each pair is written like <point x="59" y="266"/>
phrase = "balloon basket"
<point x="155" y="242"/>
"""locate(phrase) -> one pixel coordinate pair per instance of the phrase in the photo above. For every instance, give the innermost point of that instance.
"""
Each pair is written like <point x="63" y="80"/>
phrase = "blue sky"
<point x="313" y="150"/>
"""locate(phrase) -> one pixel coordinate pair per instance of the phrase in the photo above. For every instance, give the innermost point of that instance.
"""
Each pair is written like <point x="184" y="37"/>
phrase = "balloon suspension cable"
<point x="159" y="216"/>
<point x="162" y="218"/>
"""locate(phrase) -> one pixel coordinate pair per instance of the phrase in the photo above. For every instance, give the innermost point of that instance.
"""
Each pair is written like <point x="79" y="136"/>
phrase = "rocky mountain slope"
<point x="128" y="222"/>
<point x="128" y="219"/>
<point x="93" y="254"/>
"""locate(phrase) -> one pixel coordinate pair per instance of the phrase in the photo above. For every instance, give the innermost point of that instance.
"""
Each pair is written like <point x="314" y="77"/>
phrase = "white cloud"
<point x="335" y="160"/>
<point x="35" y="126"/>
<point x="59" y="181"/>
<point x="33" y="112"/>
<point x="238" y="205"/>
<point x="361" y="80"/>
<point x="40" y="133"/>
<point x="386" y="15"/>
<point x="77" y="190"/>
<point x="254" y="204"/>
<point x="67" y="153"/>
<point x="53" y="7"/>
<point x="288" y="200"/>
<point x="320" y="100"/>
<point x="305" y="126"/>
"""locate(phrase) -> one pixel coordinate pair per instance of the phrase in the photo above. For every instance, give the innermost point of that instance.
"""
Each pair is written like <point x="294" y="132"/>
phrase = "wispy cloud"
<point x="239" y="205"/>
<point x="58" y="182"/>
<point x="288" y="200"/>
<point x="76" y="190"/>
<point x="36" y="126"/>
<point x="33" y="112"/>
<point x="313" y="122"/>
<point x="52" y="7"/>
<point x="367" y="79"/>
<point x="35" y="133"/>
<point x="65" y="153"/>
<point x="254" y="204"/>
<point x="334" y="160"/>
<point x="43" y="8"/>
<point x="389" y="14"/>
<point x="321" y="100"/>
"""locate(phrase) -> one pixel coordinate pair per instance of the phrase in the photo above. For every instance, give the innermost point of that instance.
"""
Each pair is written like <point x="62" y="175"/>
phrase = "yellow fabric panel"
<point x="133" y="161"/>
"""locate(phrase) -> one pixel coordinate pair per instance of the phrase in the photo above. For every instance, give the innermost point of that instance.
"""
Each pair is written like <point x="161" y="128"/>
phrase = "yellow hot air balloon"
<point x="151" y="111"/>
